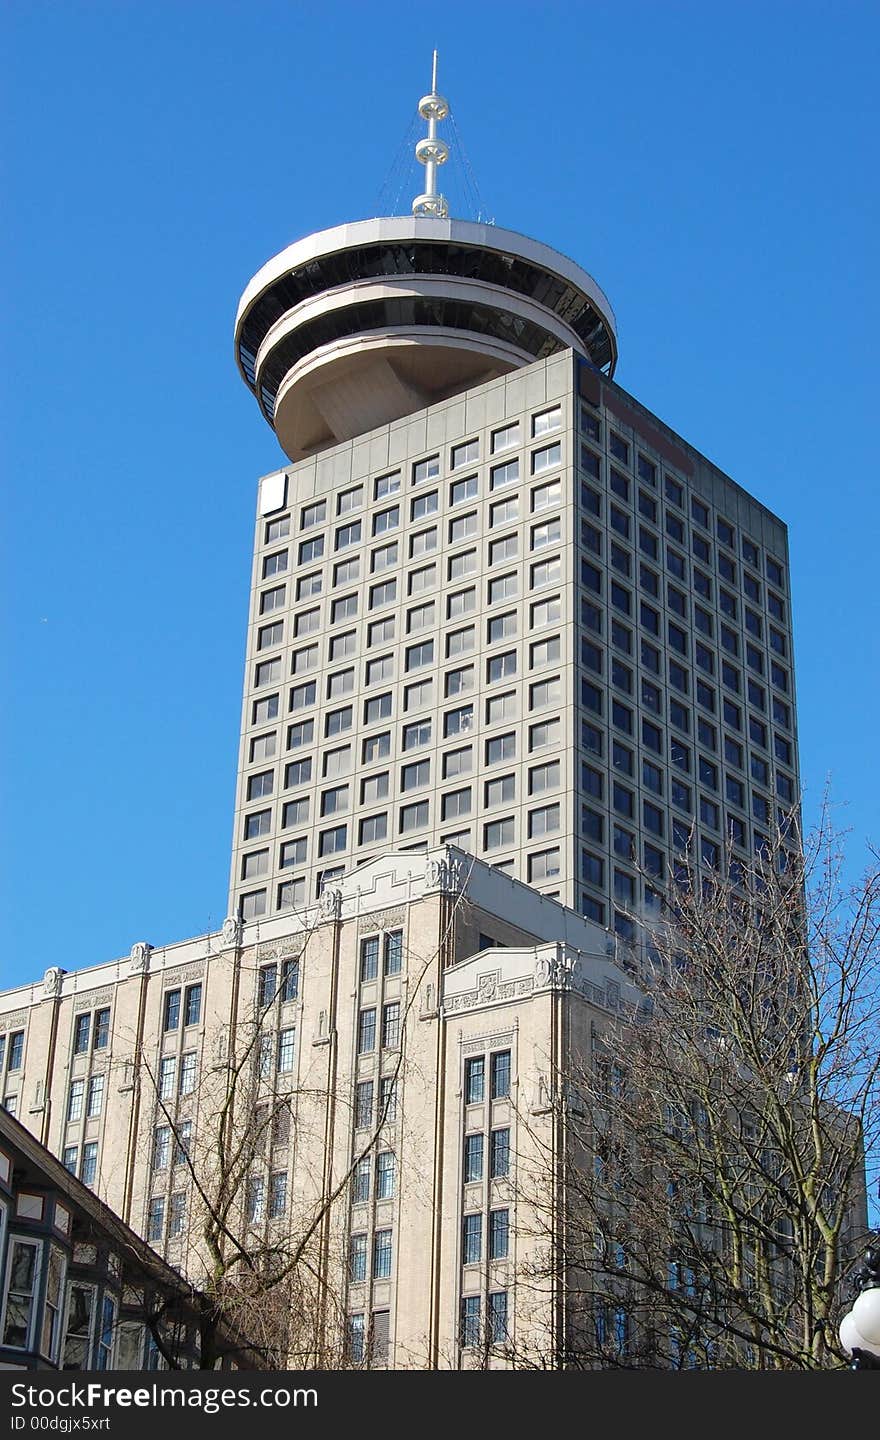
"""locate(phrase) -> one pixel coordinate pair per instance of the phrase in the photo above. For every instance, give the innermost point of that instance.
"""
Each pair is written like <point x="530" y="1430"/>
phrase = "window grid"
<point x="752" y="581"/>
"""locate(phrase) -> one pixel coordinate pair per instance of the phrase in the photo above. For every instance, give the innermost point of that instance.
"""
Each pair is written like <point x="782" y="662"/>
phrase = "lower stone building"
<point x="358" y="1091"/>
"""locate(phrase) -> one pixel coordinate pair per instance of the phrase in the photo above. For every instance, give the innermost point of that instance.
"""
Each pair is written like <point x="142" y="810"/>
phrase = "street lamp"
<point x="860" y="1327"/>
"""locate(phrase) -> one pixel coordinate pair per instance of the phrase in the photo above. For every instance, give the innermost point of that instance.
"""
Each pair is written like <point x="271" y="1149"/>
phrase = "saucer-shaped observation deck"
<point x="354" y="327"/>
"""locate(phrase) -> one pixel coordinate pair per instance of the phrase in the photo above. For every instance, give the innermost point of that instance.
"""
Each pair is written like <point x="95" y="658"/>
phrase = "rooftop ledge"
<point x="393" y="878"/>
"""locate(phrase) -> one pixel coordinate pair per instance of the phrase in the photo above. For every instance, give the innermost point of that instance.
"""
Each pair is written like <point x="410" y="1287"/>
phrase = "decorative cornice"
<point x="493" y="994"/>
<point x="13" y="1019"/>
<point x="492" y="1041"/>
<point x="183" y="976"/>
<point x="276" y="949"/>
<point x="381" y="920"/>
<point x="91" y="998"/>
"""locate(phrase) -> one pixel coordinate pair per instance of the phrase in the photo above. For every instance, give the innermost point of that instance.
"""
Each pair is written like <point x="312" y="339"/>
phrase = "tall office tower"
<point x="500" y="614"/>
<point x="495" y="601"/>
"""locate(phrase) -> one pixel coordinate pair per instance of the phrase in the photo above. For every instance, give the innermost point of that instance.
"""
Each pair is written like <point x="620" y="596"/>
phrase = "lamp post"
<point x="860" y="1327"/>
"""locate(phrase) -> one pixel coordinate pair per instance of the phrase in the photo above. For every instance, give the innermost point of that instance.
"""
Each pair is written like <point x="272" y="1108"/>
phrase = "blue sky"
<point x="714" y="166"/>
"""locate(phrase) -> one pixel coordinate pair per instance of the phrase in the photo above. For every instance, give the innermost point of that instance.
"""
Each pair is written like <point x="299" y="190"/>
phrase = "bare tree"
<point x="715" y="1138"/>
<point x="247" y="1269"/>
<point x="270" y="1267"/>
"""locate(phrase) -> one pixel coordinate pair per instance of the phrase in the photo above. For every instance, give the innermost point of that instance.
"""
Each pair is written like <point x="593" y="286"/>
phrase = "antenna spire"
<point x="431" y="152"/>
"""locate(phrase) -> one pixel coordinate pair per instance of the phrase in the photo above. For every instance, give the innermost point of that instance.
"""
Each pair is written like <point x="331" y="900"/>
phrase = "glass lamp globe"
<point x="866" y="1314"/>
<point x="850" y="1336"/>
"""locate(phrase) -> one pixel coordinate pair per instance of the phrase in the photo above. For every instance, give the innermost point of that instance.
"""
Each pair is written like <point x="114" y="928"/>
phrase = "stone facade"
<point x="415" y="967"/>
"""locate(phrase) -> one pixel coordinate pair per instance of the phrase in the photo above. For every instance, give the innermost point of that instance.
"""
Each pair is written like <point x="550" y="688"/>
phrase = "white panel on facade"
<point x="273" y="492"/>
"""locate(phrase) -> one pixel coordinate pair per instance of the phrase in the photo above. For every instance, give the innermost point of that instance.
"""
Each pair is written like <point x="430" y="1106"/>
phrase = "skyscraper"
<point x="495" y="601"/>
<point x="500" y="614"/>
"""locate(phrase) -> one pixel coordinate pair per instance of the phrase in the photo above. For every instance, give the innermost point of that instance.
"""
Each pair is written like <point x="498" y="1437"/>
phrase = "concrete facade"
<point x="530" y="621"/>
